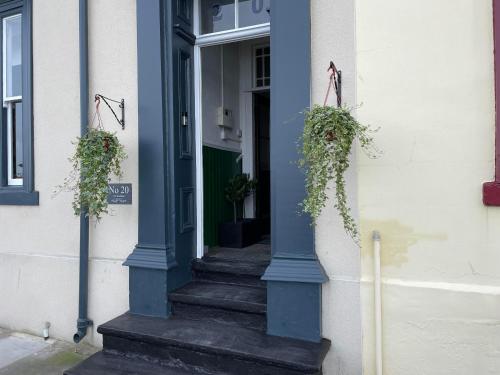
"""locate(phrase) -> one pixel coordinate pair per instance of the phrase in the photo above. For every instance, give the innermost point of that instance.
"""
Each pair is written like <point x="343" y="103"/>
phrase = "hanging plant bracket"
<point x="336" y="82"/>
<point x="121" y="105"/>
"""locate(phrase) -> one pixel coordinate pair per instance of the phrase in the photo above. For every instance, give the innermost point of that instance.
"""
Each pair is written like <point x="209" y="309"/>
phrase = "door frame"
<point x="158" y="263"/>
<point x="214" y="39"/>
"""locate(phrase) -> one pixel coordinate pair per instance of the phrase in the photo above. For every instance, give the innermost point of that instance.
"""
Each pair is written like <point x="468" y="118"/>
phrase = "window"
<point x="16" y="146"/>
<point x="262" y="66"/>
<point x="12" y="97"/>
<point x="223" y="15"/>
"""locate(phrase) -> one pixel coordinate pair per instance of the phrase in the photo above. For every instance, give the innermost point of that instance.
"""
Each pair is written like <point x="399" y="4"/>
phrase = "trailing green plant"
<point x="239" y="187"/>
<point x="326" y="143"/>
<point x="97" y="157"/>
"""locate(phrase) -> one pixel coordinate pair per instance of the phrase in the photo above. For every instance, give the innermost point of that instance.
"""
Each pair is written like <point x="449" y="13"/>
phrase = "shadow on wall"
<point x="397" y="239"/>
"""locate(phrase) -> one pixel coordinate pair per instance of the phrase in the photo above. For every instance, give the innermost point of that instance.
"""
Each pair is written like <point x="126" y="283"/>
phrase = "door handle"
<point x="184" y="119"/>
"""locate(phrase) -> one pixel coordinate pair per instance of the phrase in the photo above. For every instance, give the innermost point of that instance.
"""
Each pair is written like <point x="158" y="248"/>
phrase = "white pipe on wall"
<point x="378" y="303"/>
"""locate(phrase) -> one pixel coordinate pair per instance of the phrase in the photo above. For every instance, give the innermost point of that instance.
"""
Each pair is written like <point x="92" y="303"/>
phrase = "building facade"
<point x="424" y="72"/>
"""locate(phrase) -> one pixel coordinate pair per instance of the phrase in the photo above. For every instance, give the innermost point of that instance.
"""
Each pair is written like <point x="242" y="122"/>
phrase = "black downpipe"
<point x="83" y="321"/>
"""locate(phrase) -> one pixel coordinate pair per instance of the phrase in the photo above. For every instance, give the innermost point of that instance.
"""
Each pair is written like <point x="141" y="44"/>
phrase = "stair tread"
<point x="229" y="296"/>
<point x="108" y="364"/>
<point x="221" y="340"/>
<point x="229" y="266"/>
<point x="221" y="316"/>
<point x="256" y="253"/>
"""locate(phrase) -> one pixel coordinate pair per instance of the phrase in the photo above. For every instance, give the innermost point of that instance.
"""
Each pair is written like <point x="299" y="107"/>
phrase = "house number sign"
<point x="120" y="194"/>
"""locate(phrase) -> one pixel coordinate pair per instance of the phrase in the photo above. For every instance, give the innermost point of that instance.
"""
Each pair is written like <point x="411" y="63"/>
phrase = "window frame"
<point x="20" y="194"/>
<point x="8" y="103"/>
<point x="226" y="36"/>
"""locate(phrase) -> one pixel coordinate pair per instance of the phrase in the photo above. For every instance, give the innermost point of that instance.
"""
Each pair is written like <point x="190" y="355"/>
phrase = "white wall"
<point x="425" y="76"/>
<point x="333" y="38"/>
<point x="39" y="246"/>
<point x="214" y="76"/>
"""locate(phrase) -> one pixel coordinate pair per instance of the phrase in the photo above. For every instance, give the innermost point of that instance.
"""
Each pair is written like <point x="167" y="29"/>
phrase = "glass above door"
<point x="223" y="15"/>
<point x="253" y="12"/>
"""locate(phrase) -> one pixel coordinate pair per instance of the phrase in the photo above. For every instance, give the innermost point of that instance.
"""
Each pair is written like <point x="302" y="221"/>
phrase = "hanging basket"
<point x="98" y="156"/>
<point x="329" y="133"/>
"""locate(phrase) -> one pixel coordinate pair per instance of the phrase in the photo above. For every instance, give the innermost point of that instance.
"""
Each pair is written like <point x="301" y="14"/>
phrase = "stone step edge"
<point x="155" y="340"/>
<point x="219" y="303"/>
<point x="236" y="268"/>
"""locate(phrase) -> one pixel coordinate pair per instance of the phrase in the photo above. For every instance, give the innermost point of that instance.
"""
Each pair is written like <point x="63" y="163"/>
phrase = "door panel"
<point x="185" y="113"/>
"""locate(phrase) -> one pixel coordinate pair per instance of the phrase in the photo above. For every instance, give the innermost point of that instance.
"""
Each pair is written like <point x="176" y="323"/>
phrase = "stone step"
<point x="216" y="315"/>
<point x="216" y="348"/>
<point x="229" y="272"/>
<point x="222" y="296"/>
<point x="114" y="364"/>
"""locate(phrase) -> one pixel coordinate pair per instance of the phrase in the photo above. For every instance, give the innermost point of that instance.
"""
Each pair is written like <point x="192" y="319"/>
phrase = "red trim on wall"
<point x="491" y="190"/>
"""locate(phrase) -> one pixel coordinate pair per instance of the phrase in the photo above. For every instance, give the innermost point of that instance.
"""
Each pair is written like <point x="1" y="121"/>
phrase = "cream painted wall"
<point x="423" y="72"/>
<point x="39" y="246"/>
<point x="425" y="76"/>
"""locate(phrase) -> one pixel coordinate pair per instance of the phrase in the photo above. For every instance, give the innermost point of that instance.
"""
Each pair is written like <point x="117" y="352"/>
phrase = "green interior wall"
<point x="218" y="167"/>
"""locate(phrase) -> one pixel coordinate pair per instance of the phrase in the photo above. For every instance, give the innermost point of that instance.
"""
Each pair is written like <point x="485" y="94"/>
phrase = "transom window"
<point x="223" y="15"/>
<point x="262" y="66"/>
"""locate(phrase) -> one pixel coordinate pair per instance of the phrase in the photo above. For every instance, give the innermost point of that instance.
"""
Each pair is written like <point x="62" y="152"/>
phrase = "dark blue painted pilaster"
<point x="295" y="275"/>
<point x="161" y="261"/>
<point x="152" y="257"/>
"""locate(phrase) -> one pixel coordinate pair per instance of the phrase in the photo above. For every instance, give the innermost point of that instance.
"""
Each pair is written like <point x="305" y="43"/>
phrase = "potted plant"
<point x="329" y="133"/>
<point x="241" y="232"/>
<point x="98" y="155"/>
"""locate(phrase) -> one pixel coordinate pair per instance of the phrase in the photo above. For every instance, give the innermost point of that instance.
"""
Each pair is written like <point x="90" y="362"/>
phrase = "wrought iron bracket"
<point x="121" y="105"/>
<point x="337" y="81"/>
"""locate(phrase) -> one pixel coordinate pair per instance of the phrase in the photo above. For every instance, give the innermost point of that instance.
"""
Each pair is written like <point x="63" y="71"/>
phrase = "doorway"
<point x="233" y="138"/>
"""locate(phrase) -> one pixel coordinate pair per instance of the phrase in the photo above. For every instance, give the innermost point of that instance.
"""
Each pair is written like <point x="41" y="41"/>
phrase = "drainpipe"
<point x="83" y="321"/>
<point x="378" y="303"/>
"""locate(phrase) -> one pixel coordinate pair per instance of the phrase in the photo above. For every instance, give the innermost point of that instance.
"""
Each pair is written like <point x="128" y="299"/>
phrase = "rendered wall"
<point x="425" y="76"/>
<point x="39" y="246"/>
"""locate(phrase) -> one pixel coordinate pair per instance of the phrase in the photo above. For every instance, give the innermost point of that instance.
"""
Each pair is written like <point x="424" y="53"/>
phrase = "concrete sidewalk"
<point x="22" y="354"/>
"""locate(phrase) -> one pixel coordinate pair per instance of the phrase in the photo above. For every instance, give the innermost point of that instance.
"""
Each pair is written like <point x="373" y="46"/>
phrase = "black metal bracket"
<point x="337" y="81"/>
<point x="121" y="105"/>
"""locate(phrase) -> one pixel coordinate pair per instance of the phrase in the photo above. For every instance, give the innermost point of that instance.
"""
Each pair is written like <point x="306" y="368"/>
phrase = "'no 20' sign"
<point x="120" y="194"/>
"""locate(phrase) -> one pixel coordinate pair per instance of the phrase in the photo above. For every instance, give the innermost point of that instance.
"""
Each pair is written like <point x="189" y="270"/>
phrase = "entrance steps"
<point x="217" y="327"/>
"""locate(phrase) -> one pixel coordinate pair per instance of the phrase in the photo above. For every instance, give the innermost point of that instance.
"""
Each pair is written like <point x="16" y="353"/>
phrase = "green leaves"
<point x="328" y="136"/>
<point x="98" y="155"/>
<point x="238" y="188"/>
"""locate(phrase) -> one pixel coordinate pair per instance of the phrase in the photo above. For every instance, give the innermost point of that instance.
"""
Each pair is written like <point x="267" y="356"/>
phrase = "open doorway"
<point x="234" y="119"/>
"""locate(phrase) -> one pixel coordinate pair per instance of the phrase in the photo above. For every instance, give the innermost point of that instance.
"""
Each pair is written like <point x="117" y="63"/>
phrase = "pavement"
<point x="23" y="354"/>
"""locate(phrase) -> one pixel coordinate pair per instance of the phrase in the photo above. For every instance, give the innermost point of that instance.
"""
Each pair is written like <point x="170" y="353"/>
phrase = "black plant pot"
<point x="243" y="233"/>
